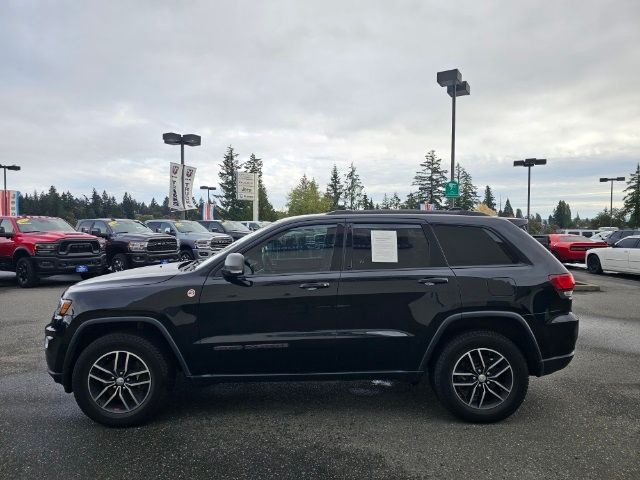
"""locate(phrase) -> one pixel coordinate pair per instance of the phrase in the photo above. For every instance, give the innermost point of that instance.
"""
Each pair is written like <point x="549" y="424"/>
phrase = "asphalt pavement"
<point x="581" y="422"/>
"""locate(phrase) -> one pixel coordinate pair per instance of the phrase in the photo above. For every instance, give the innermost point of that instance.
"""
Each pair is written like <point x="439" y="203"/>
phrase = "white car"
<point x="601" y="236"/>
<point x="623" y="257"/>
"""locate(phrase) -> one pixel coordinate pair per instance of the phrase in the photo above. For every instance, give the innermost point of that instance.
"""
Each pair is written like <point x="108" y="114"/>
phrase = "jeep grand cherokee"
<point x="472" y="302"/>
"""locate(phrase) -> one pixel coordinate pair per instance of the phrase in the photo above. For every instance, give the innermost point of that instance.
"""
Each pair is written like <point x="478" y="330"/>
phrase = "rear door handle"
<point x="433" y="280"/>
<point x="314" y="285"/>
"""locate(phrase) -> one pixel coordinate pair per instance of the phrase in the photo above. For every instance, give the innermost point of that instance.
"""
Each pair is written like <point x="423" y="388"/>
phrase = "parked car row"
<point x="618" y="252"/>
<point x="36" y="246"/>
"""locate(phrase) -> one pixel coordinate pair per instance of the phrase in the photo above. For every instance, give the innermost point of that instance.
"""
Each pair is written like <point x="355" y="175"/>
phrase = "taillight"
<point x="563" y="283"/>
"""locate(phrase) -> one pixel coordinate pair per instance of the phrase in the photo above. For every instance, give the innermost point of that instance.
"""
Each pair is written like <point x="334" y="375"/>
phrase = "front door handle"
<point x="433" y="280"/>
<point x="314" y="285"/>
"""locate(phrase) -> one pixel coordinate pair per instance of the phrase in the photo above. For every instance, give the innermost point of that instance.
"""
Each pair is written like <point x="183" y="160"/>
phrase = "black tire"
<point x="26" y="273"/>
<point x="455" y="353"/>
<point x="160" y="378"/>
<point x="119" y="262"/>
<point x="186" y="255"/>
<point x="593" y="264"/>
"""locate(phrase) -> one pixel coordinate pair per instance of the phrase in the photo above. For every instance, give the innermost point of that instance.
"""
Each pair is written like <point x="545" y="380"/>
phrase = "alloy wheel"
<point x="117" y="265"/>
<point x="22" y="273"/>
<point x="119" y="382"/>
<point x="482" y="378"/>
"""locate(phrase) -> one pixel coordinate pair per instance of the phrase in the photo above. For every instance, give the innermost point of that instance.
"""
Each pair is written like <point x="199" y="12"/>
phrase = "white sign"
<point x="384" y="246"/>
<point x="189" y="175"/>
<point x="175" y="187"/>
<point x="245" y="186"/>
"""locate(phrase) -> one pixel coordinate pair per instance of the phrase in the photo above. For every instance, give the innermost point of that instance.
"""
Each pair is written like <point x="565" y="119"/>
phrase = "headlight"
<point x="137" y="246"/>
<point x="103" y="244"/>
<point x="46" y="247"/>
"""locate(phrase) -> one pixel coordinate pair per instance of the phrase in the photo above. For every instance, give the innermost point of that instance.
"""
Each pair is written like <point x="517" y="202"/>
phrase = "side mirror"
<point x="158" y="230"/>
<point x="233" y="265"/>
<point x="168" y="231"/>
<point x="84" y="230"/>
<point x="5" y="234"/>
<point x="94" y="232"/>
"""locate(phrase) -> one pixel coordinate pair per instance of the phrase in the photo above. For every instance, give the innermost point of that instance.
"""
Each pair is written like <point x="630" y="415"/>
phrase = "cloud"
<point x="88" y="89"/>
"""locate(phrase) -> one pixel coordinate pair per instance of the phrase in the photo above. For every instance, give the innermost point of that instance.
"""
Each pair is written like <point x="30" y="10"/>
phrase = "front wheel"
<point x="481" y="376"/>
<point x="186" y="255"/>
<point x="121" y="380"/>
<point x="119" y="262"/>
<point x="593" y="264"/>
<point x="26" y="273"/>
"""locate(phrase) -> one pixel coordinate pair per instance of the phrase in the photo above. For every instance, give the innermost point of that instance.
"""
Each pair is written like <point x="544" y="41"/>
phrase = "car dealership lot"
<point x="581" y="422"/>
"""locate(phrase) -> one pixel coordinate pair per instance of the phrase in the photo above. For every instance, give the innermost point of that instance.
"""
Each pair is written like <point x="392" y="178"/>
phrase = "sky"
<point x="87" y="89"/>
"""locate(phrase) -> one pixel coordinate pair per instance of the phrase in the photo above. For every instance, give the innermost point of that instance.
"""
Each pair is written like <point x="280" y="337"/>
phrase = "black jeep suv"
<point x="131" y="243"/>
<point x="473" y="302"/>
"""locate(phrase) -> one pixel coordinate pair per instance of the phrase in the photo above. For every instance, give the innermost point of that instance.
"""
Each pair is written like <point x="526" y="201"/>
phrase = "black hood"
<point x="131" y="278"/>
<point x="140" y="237"/>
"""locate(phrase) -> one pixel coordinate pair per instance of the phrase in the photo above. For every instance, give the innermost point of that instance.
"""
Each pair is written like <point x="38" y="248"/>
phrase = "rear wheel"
<point x="121" y="380"/>
<point x="481" y="376"/>
<point x="593" y="264"/>
<point x="26" y="273"/>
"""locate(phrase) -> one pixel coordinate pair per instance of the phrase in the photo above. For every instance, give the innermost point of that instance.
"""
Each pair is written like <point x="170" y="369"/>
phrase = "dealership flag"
<point x="175" y="187"/>
<point x="10" y="199"/>
<point x="189" y="175"/>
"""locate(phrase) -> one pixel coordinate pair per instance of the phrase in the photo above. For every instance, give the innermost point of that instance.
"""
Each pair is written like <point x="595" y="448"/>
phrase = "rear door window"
<point x="466" y="246"/>
<point x="628" y="243"/>
<point x="388" y="246"/>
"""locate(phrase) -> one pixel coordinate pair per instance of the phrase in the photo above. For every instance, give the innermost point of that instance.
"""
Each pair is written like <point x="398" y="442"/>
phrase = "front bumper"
<point x="55" y="265"/>
<point x="139" y="259"/>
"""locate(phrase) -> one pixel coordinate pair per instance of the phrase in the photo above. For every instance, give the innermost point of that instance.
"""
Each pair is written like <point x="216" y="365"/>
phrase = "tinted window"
<point x="100" y="226"/>
<point x="84" y="226"/>
<point x="7" y="225"/>
<point x="468" y="246"/>
<point x="627" y="243"/>
<point x="298" y="250"/>
<point x="398" y="246"/>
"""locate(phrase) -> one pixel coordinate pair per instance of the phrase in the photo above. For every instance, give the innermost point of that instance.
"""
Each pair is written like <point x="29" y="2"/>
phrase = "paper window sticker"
<point x="384" y="246"/>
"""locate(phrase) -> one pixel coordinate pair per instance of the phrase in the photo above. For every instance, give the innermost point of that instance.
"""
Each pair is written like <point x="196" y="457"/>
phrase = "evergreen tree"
<point x="489" y="199"/>
<point x="468" y="192"/>
<point x="266" y="211"/>
<point x="519" y="213"/>
<point x="430" y="180"/>
<point x="632" y="198"/>
<point x="352" y="192"/>
<point x="562" y="215"/>
<point x="232" y="208"/>
<point x="335" y="189"/>
<point x="128" y="206"/>
<point x="508" y="210"/>
<point x="385" y="204"/>
<point x="411" y="203"/>
<point x="305" y="198"/>
<point x="395" y="203"/>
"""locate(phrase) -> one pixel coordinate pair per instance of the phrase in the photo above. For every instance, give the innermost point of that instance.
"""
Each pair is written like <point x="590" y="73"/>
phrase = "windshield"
<point x="235" y="226"/>
<point x="189" y="226"/>
<point x="26" y="225"/>
<point x="128" y="226"/>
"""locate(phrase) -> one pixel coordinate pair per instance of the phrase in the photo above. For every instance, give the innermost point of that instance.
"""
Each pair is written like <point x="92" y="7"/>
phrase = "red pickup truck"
<point x="35" y="247"/>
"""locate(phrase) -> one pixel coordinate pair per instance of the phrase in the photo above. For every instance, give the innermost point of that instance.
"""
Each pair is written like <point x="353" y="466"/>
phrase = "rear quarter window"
<point x="466" y="246"/>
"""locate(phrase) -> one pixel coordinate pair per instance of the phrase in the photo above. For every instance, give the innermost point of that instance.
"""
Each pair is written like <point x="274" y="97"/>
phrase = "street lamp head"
<point x="518" y="163"/>
<point x="172" y="138"/>
<point x="462" y="89"/>
<point x="448" y="78"/>
<point x="204" y="187"/>
<point x="191" y="140"/>
<point x="604" y="179"/>
<point x="13" y="167"/>
<point x="620" y="179"/>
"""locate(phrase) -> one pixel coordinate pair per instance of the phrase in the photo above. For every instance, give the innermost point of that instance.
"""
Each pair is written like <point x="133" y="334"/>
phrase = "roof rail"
<point x="408" y="212"/>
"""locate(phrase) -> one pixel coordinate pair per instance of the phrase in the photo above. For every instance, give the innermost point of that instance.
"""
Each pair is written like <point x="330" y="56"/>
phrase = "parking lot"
<point x="582" y="422"/>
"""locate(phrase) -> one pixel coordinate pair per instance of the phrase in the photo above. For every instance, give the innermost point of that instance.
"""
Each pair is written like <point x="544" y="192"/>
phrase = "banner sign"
<point x="189" y="175"/>
<point x="175" y="187"/>
<point x="181" y="193"/>
<point x="245" y="186"/>
<point x="9" y="202"/>
<point x="208" y="211"/>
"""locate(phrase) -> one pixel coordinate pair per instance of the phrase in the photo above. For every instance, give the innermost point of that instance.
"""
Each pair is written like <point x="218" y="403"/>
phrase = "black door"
<point x="279" y="319"/>
<point x="394" y="285"/>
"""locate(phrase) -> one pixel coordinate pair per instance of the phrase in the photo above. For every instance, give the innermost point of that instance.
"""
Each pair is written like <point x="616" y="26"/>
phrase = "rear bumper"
<point x="559" y="337"/>
<point x="553" y="364"/>
<point x="50" y="265"/>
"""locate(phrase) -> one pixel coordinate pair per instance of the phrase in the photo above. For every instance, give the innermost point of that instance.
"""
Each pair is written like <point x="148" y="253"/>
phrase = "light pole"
<point x="529" y="162"/>
<point x="15" y="168"/>
<point x="176" y="139"/>
<point x="612" y="179"/>
<point x="208" y="189"/>
<point x="452" y="79"/>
